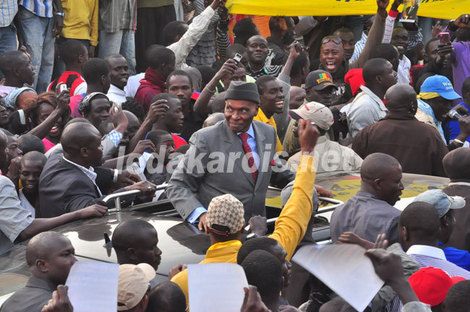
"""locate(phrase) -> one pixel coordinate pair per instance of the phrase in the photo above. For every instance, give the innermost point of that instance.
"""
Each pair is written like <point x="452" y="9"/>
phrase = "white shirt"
<point x="366" y="109"/>
<point x="425" y="250"/>
<point x="403" y="71"/>
<point x="89" y="172"/>
<point x="116" y="95"/>
<point x="133" y="83"/>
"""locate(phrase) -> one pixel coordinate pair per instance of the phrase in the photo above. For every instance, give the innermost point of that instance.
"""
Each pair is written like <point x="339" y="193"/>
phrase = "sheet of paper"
<point x="343" y="268"/>
<point x="93" y="286"/>
<point x="215" y="287"/>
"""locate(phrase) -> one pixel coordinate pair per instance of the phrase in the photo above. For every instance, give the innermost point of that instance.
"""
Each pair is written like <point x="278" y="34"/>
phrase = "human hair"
<point x="217" y="104"/>
<point x="40" y="246"/>
<point x="94" y="69"/>
<point x="426" y="47"/>
<point x="135" y="108"/>
<point x="377" y="165"/>
<point x="51" y="99"/>
<point x="299" y="63"/>
<point x="259" y="243"/>
<point x="34" y="156"/>
<point x="456" y="164"/>
<point x="421" y="221"/>
<point x="28" y="143"/>
<point x="128" y="233"/>
<point x="85" y="106"/>
<point x="166" y="297"/>
<point x="235" y="48"/>
<point x="457" y="299"/>
<point x="264" y="271"/>
<point x="274" y="25"/>
<point x="385" y="51"/>
<point x="172" y="30"/>
<point x="10" y="60"/>
<point x="157" y="55"/>
<point x="262" y="81"/>
<point x="207" y="73"/>
<point x="373" y="68"/>
<point x="243" y="30"/>
<point x="70" y="50"/>
<point x="342" y="30"/>
<point x="178" y="72"/>
<point x="156" y="136"/>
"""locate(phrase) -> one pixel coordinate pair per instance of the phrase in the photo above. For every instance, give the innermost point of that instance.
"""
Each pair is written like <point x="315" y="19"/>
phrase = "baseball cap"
<point x="441" y="201"/>
<point x="431" y="285"/>
<point x="441" y="85"/>
<point x="314" y="112"/>
<point x="319" y="80"/>
<point x="226" y="211"/>
<point x="133" y="284"/>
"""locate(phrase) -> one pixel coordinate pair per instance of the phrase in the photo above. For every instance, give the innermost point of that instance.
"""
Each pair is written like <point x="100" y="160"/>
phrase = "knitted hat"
<point x="314" y="112"/>
<point x="133" y="284"/>
<point x="246" y="91"/>
<point x="227" y="211"/>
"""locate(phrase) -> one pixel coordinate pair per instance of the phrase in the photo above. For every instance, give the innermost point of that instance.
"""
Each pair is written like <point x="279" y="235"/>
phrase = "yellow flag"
<point x="446" y="9"/>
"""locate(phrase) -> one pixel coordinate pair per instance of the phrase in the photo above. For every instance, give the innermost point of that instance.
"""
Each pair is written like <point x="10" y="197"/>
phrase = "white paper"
<point x="215" y="287"/>
<point x="93" y="286"/>
<point x="344" y="268"/>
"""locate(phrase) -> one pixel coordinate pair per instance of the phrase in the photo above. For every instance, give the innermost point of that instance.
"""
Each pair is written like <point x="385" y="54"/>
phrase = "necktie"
<point x="249" y="154"/>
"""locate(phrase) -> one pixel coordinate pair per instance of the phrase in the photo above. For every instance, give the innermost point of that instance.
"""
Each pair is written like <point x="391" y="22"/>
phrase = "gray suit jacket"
<point x="213" y="166"/>
<point x="30" y="298"/>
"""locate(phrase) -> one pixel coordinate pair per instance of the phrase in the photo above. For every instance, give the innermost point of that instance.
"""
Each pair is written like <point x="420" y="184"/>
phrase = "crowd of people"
<point x="101" y="97"/>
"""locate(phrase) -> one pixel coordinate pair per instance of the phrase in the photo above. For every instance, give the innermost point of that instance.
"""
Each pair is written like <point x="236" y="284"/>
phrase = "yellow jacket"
<point x="289" y="229"/>
<point x="262" y="117"/>
<point x="81" y="20"/>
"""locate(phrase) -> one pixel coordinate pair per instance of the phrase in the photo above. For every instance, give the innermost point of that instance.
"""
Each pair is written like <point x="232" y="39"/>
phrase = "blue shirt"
<point x="42" y="8"/>
<point x="8" y="10"/>
<point x="457" y="256"/>
<point x="427" y="109"/>
<point x="452" y="127"/>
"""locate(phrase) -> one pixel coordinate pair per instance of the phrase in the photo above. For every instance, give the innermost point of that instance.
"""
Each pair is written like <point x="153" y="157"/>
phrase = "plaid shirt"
<point x="118" y="15"/>
<point x="41" y="8"/>
<point x="8" y="10"/>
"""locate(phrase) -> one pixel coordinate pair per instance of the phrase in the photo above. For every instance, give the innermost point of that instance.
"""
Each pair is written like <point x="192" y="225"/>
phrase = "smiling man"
<point x="370" y="212"/>
<point x="234" y="156"/>
<point x="257" y="52"/>
<point x="118" y="75"/>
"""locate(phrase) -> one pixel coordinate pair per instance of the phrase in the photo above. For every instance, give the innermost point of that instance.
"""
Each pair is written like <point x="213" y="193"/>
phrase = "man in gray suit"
<point x="235" y="156"/>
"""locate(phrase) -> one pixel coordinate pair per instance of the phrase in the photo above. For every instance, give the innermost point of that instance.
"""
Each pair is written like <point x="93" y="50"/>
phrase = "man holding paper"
<point x="226" y="221"/>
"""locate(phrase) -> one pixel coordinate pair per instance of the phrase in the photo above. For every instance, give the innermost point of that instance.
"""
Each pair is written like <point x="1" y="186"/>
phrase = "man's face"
<point x="119" y="71"/>
<point x="174" y="116"/>
<point x="60" y="261"/>
<point x="25" y="71"/>
<point x="99" y="111"/>
<point x="324" y="96"/>
<point x="239" y="114"/>
<point x="391" y="186"/>
<point x="147" y="251"/>
<point x="348" y="43"/>
<point x="431" y="53"/>
<point x="257" y="50"/>
<point x="297" y="97"/>
<point x="181" y="87"/>
<point x="400" y="40"/>
<point x="94" y="150"/>
<point x="331" y="56"/>
<point x="167" y="145"/>
<point x="272" y="98"/>
<point x="440" y="107"/>
<point x="3" y="116"/>
<point x="12" y="150"/>
<point x="389" y="76"/>
<point x="29" y="175"/>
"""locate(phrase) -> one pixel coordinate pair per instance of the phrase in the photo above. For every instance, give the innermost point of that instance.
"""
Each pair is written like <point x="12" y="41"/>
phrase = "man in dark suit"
<point x="70" y="182"/>
<point x="235" y="156"/>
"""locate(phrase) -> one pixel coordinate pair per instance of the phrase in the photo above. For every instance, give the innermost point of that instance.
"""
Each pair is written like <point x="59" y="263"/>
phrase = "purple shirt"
<point x="460" y="64"/>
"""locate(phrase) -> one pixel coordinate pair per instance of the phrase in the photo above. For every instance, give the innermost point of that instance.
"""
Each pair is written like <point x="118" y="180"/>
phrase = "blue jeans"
<point x="35" y="33"/>
<point x="119" y="42"/>
<point x="7" y="40"/>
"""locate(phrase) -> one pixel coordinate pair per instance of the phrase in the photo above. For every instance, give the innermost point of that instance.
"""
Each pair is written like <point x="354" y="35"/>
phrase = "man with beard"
<point x="118" y="75"/>
<point x="69" y="183"/>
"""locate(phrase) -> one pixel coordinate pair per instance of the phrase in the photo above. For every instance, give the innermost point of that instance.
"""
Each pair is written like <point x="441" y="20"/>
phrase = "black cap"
<point x="245" y="91"/>
<point x="319" y="80"/>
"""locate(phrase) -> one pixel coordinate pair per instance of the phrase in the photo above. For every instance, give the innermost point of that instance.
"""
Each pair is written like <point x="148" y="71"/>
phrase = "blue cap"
<point x="441" y="201"/>
<point x="441" y="85"/>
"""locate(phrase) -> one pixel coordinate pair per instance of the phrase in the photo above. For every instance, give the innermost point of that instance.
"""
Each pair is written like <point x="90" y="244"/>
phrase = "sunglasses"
<point x="336" y="40"/>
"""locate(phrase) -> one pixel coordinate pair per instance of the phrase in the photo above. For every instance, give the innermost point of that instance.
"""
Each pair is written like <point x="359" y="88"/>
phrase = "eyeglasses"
<point x="327" y="39"/>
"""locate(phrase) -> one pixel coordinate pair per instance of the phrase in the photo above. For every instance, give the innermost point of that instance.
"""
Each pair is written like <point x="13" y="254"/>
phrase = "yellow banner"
<point x="446" y="9"/>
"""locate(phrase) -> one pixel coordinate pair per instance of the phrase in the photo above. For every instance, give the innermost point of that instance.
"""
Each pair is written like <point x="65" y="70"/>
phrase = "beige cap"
<point x="226" y="210"/>
<point x="133" y="284"/>
<point x="315" y="112"/>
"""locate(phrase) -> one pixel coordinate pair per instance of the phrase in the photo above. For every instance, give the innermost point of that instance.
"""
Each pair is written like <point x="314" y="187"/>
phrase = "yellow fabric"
<point x="446" y="9"/>
<point x="81" y="20"/>
<point x="428" y="95"/>
<point x="262" y="117"/>
<point x="289" y="229"/>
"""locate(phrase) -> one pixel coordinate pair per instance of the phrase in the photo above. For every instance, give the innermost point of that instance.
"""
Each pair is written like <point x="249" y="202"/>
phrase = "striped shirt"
<point x="429" y="256"/>
<point x="8" y="10"/>
<point x="42" y="8"/>
<point x="118" y="15"/>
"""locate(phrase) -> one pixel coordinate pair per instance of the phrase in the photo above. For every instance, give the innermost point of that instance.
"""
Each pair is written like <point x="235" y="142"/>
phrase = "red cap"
<point x="431" y="285"/>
